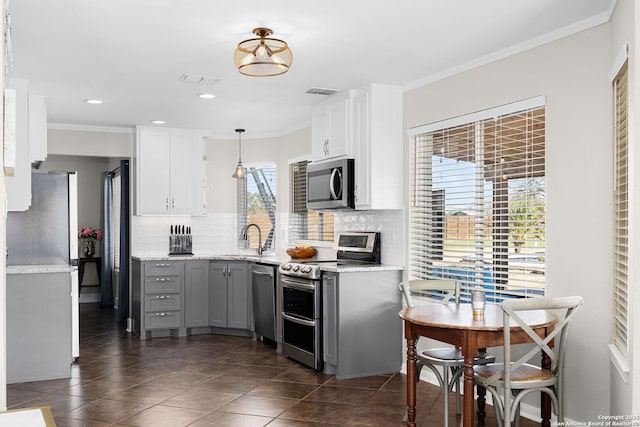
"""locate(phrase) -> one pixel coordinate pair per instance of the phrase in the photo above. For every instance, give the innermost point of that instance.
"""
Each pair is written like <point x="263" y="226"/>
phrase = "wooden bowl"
<point x="299" y="253"/>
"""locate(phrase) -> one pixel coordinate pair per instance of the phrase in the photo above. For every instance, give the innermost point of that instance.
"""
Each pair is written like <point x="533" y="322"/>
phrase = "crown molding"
<point x="89" y="128"/>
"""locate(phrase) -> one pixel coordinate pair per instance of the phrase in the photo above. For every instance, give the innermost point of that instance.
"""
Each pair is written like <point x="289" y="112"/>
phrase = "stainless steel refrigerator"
<point x="47" y="233"/>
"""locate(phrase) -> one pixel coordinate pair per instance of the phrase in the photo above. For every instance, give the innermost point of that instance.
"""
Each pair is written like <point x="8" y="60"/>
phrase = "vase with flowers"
<point x="89" y="236"/>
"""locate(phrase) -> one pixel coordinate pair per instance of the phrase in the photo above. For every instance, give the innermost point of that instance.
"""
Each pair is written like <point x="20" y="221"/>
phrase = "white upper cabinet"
<point x="37" y="128"/>
<point x="170" y="172"/>
<point x="30" y="132"/>
<point x="377" y="141"/>
<point x="330" y="128"/>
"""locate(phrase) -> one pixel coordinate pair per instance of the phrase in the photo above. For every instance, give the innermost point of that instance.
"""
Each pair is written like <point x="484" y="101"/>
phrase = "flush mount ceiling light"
<point x="206" y="95"/>
<point x="263" y="56"/>
<point x="239" y="172"/>
<point x="158" y="122"/>
<point x="93" y="101"/>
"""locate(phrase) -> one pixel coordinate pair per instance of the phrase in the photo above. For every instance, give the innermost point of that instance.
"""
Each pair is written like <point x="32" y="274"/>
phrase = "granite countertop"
<point x="334" y="267"/>
<point x="268" y="259"/>
<point x="39" y="269"/>
<point x="264" y="259"/>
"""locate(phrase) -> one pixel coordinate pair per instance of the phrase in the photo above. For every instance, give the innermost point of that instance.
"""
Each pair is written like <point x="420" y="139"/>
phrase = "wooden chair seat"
<point x="523" y="373"/>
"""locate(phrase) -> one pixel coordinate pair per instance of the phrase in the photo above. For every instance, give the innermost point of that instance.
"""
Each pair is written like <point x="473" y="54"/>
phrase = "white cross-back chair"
<point x="450" y="359"/>
<point x="517" y="378"/>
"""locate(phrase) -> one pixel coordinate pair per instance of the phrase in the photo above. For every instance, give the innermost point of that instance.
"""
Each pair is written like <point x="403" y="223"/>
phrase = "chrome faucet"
<point x="245" y="236"/>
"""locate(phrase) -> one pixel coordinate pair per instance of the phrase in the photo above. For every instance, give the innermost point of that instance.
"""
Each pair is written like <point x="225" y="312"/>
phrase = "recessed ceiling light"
<point x="93" y="101"/>
<point x="158" y="122"/>
<point x="206" y="95"/>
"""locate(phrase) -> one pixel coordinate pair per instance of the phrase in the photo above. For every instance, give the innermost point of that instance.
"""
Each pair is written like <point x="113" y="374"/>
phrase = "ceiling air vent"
<point x="195" y="78"/>
<point x="321" y="91"/>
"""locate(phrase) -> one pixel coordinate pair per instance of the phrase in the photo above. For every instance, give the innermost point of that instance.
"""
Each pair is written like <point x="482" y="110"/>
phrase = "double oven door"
<point x="302" y="320"/>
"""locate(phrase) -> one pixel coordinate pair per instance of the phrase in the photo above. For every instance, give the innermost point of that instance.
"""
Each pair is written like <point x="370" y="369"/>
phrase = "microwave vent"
<point x="320" y="91"/>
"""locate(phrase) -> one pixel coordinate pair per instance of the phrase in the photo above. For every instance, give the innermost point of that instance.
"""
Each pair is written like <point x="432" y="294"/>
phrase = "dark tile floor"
<point x="212" y="380"/>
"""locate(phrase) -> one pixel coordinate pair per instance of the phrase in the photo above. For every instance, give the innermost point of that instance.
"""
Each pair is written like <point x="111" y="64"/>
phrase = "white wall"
<point x="572" y="74"/>
<point x="89" y="141"/>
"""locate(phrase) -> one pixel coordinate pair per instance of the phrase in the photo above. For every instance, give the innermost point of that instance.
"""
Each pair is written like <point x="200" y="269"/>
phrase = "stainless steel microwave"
<point x="330" y="185"/>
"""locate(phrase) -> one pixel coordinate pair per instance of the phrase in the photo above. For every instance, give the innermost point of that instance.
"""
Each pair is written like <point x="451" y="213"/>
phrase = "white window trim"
<point x="621" y="58"/>
<point x="620" y="362"/>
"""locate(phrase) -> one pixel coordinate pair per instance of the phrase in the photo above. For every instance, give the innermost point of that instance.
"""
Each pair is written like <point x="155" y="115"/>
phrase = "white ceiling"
<point x="131" y="53"/>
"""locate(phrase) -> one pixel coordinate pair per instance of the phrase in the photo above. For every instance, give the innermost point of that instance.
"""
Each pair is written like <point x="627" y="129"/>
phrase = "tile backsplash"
<point x="215" y="234"/>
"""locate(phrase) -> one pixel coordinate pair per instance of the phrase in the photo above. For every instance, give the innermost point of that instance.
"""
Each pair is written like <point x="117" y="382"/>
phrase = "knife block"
<point x="180" y="244"/>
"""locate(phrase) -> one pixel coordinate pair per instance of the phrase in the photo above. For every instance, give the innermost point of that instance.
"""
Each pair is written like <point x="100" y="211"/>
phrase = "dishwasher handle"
<point x="261" y="273"/>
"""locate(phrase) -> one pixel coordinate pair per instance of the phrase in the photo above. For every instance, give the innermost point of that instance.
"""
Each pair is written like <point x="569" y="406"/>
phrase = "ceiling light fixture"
<point x="239" y="172"/>
<point x="158" y="122"/>
<point x="263" y="56"/>
<point x="206" y="95"/>
<point x="93" y="101"/>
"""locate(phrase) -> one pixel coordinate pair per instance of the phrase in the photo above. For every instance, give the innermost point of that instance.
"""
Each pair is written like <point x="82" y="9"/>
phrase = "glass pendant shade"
<point x="263" y="56"/>
<point x="239" y="172"/>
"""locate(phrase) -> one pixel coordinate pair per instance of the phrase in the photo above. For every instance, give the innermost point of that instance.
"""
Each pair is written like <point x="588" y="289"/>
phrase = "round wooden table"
<point x="454" y="324"/>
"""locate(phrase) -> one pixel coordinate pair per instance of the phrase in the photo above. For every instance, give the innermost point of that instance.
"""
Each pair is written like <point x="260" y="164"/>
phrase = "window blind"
<point x="621" y="212"/>
<point x="477" y="209"/>
<point x="305" y="224"/>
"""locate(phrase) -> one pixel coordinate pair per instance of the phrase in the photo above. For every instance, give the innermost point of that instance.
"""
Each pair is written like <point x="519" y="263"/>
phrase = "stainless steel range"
<point x="300" y="284"/>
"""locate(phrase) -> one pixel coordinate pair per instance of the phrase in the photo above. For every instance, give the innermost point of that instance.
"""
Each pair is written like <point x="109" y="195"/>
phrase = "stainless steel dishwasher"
<point x="263" y="286"/>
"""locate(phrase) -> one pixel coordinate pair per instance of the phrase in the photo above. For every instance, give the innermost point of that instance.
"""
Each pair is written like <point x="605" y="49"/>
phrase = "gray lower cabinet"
<point x="362" y="332"/>
<point x="229" y="295"/>
<point x="156" y="300"/>
<point x="38" y="316"/>
<point x="196" y="294"/>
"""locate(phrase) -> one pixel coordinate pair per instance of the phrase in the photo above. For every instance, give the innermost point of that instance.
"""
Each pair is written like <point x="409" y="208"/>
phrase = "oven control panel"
<point x="309" y="271"/>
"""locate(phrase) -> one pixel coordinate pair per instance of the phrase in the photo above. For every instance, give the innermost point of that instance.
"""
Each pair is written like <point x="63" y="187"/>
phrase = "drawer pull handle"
<point x="161" y="314"/>
<point x="162" y="279"/>
<point x="163" y="265"/>
<point x="162" y="297"/>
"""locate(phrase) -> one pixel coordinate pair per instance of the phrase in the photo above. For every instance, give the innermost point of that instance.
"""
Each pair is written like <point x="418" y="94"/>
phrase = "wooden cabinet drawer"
<point x="163" y="268"/>
<point x="162" y="285"/>
<point x="162" y="302"/>
<point x="162" y="320"/>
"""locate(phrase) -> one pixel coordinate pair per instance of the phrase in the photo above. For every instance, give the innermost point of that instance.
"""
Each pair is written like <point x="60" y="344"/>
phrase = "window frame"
<point x="423" y="246"/>
<point x="620" y="214"/>
<point x="301" y="218"/>
<point x="268" y="237"/>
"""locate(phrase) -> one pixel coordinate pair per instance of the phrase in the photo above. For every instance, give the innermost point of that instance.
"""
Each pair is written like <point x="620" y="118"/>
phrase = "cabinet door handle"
<point x="166" y="204"/>
<point x="173" y="203"/>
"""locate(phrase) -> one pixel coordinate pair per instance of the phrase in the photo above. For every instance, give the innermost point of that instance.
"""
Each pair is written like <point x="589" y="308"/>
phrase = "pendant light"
<point x="263" y="56"/>
<point x="239" y="172"/>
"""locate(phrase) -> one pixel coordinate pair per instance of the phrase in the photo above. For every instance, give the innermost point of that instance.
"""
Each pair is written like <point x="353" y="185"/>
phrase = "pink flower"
<point x="89" y="233"/>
